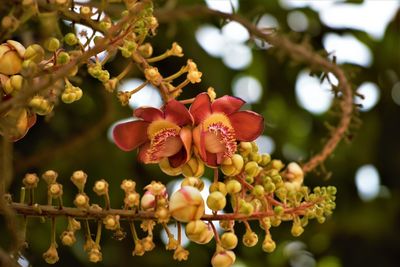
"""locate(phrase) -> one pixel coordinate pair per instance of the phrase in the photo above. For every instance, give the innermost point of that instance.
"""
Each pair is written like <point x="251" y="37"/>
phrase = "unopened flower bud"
<point x="68" y="238"/>
<point x="265" y="159"/>
<point x="276" y="164"/>
<point x="30" y="180"/>
<point x="245" y="148"/>
<point x="224" y="258"/>
<point x="13" y="84"/>
<point x="145" y="50"/>
<point x="63" y="58"/>
<point x="268" y="244"/>
<point x="216" y="201"/>
<point x="81" y="201"/>
<point x="193" y="181"/>
<point x="79" y="179"/>
<point x="258" y="191"/>
<point x="250" y="239"/>
<point x="35" y="53"/>
<point x="232" y="166"/>
<point x="11" y="55"/>
<point x="148" y="201"/>
<point x="71" y="39"/>
<point x="233" y="187"/>
<point x="297" y="229"/>
<point x="100" y="187"/>
<point x="246" y="208"/>
<point x="229" y="240"/>
<point x="55" y="190"/>
<point x="51" y="255"/>
<point x="252" y="169"/>
<point x="40" y="105"/>
<point x="199" y="232"/>
<point x="186" y="204"/>
<point x="50" y="176"/>
<point x="218" y="186"/>
<point x="193" y="168"/>
<point x="52" y="44"/>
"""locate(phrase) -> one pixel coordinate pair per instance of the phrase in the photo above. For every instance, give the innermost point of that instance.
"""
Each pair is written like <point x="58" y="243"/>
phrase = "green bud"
<point x="71" y="39"/>
<point x="52" y="44"/>
<point x="278" y="210"/>
<point x="63" y="58"/>
<point x="246" y="208"/>
<point x="258" y="191"/>
<point x="252" y="169"/>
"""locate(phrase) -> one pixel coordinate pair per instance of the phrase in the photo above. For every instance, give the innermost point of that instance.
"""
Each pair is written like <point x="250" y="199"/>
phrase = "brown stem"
<point x="51" y="211"/>
<point x="298" y="53"/>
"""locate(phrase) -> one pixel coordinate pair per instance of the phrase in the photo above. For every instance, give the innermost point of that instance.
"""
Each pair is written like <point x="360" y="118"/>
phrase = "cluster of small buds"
<point x="71" y="93"/>
<point x="96" y="71"/>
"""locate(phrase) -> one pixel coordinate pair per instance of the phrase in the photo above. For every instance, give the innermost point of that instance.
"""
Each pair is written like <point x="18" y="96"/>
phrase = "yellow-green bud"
<point x="70" y="39"/>
<point x="193" y="168"/>
<point x="52" y="44"/>
<point x="246" y="208"/>
<point x="229" y="240"/>
<point x="63" y="58"/>
<point x="265" y="159"/>
<point x="268" y="244"/>
<point x="258" y="191"/>
<point x="275" y="221"/>
<point x="35" y="53"/>
<point x="233" y="187"/>
<point x="218" y="186"/>
<point x="252" y="169"/>
<point x="277" y="164"/>
<point x="216" y="201"/>
<point x="40" y="105"/>
<point x="232" y="166"/>
<point x="250" y="239"/>
<point x="13" y="84"/>
<point x="278" y="210"/>
<point x="245" y="148"/>
<point x="105" y="25"/>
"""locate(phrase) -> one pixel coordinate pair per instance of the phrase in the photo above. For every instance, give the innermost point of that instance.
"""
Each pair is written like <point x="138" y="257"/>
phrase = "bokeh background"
<point x="364" y="36"/>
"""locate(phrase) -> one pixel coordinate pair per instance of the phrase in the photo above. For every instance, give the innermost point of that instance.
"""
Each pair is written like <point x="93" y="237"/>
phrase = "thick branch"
<point x="51" y="211"/>
<point x="297" y="52"/>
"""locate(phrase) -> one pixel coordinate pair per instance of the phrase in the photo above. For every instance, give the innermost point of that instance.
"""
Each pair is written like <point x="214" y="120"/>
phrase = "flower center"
<point x="225" y="136"/>
<point x="165" y="143"/>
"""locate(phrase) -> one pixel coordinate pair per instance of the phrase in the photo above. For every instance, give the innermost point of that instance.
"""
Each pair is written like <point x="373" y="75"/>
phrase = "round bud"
<point x="268" y="244"/>
<point x="35" y="53"/>
<point x="219" y="186"/>
<point x="199" y="232"/>
<point x="258" y="191"/>
<point x="229" y="240"/>
<point x="233" y="187"/>
<point x="148" y="201"/>
<point x="297" y="229"/>
<point x="193" y="181"/>
<point x="250" y="239"/>
<point x="232" y="166"/>
<point x="223" y="258"/>
<point x="52" y="44"/>
<point x="111" y="222"/>
<point x="186" y="204"/>
<point x="245" y="148"/>
<point x="30" y="180"/>
<point x="252" y="169"/>
<point x="55" y="190"/>
<point x="216" y="201"/>
<point x="63" y="58"/>
<point x="70" y="39"/>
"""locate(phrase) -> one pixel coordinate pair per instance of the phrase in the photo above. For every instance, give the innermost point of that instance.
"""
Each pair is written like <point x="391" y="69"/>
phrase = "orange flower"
<point x="220" y="124"/>
<point x="159" y="134"/>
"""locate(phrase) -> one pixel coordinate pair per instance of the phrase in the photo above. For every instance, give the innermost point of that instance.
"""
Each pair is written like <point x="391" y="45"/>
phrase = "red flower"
<point x="160" y="134"/>
<point x="220" y="124"/>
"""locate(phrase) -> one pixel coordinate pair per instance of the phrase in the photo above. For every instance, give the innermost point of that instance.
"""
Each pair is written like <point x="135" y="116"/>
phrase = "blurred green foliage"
<point x="358" y="234"/>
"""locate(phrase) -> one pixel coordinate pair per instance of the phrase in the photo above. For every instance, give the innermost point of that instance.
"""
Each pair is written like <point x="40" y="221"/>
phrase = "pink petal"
<point x="200" y="108"/>
<point x="176" y="112"/>
<point x="130" y="135"/>
<point x="227" y="104"/>
<point x="248" y="125"/>
<point x="148" y="114"/>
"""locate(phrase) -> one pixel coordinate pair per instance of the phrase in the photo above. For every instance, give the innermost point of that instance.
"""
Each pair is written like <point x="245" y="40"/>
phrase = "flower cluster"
<point x="177" y="137"/>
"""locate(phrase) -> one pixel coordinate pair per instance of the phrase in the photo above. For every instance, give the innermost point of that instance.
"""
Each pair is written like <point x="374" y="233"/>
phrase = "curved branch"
<point x="297" y="52"/>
